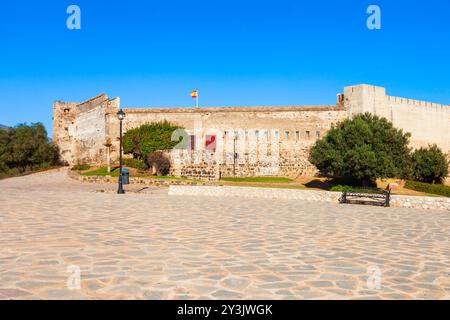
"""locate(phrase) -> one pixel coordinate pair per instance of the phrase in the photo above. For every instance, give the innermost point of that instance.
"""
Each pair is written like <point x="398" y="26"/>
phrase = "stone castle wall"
<point x="268" y="141"/>
<point x="426" y="121"/>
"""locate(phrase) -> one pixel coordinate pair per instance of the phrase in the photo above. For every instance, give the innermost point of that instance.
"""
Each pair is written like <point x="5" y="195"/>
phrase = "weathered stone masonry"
<point x="267" y="140"/>
<point x="81" y="129"/>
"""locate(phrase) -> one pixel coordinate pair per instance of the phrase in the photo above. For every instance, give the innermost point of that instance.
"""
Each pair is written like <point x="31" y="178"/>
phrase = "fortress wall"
<point x="89" y="135"/>
<point x="427" y="122"/>
<point x="231" y="117"/>
<point x="256" y="129"/>
<point x="81" y="129"/>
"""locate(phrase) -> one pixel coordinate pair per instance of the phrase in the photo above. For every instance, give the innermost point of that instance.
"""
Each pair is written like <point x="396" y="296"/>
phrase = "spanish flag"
<point x="194" y="94"/>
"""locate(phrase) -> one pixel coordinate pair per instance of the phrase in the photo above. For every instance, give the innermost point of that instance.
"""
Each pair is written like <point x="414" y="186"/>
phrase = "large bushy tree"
<point x="148" y="138"/>
<point x="429" y="165"/>
<point x="365" y="147"/>
<point x="26" y="148"/>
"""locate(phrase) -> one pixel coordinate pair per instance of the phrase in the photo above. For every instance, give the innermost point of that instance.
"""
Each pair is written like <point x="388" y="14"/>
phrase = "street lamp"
<point x="234" y="153"/>
<point x="120" y="116"/>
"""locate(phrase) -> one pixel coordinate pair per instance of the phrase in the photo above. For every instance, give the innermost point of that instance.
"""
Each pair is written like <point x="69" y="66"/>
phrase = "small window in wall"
<point x="277" y="135"/>
<point x="256" y="134"/>
<point x="297" y="135"/>
<point x="192" y="141"/>
<point x="266" y="135"/>
<point x="210" y="143"/>
<point x="317" y="135"/>
<point x="286" y="135"/>
<point x="308" y="133"/>
<point x="236" y="135"/>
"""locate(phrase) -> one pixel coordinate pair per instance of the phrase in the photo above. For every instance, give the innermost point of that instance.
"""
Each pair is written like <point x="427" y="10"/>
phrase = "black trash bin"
<point x="125" y="176"/>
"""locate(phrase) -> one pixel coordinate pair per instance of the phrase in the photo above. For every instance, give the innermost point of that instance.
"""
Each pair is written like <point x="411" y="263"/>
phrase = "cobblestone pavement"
<point x="152" y="246"/>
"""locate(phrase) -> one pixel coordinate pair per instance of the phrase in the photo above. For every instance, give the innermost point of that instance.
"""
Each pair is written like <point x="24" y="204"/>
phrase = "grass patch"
<point x="433" y="189"/>
<point x="102" y="172"/>
<point x="81" y="167"/>
<point x="341" y="188"/>
<point x="135" y="163"/>
<point x="259" y="180"/>
<point x="168" y="178"/>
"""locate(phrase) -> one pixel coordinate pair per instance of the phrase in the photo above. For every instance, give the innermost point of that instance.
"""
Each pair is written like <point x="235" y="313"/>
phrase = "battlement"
<point x="398" y="101"/>
<point x="233" y="109"/>
<point x="369" y="94"/>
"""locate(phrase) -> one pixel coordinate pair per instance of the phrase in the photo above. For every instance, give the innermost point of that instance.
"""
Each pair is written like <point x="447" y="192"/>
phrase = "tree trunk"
<point x="108" y="158"/>
<point x="368" y="182"/>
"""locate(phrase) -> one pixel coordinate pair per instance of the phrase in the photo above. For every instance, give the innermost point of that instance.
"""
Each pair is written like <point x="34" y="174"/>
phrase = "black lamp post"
<point x="120" y="116"/>
<point x="234" y="154"/>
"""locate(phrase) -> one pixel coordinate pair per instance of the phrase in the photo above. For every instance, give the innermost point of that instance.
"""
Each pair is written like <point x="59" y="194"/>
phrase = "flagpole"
<point x="196" y="100"/>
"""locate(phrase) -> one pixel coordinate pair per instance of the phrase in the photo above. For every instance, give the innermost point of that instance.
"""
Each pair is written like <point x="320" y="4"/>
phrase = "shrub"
<point x="437" y="189"/>
<point x="429" y="165"/>
<point x="26" y="148"/>
<point x="148" y="138"/>
<point x="365" y="148"/>
<point x="160" y="163"/>
<point x="135" y="163"/>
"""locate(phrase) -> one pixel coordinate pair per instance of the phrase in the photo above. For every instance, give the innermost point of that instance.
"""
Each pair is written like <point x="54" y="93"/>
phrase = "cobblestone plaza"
<point x="149" y="245"/>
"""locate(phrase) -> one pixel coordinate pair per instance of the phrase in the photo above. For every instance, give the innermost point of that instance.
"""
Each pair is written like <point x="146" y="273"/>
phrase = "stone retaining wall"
<point x="420" y="202"/>
<point x="140" y="181"/>
<point x="201" y="172"/>
<point x="306" y="195"/>
<point x="252" y="192"/>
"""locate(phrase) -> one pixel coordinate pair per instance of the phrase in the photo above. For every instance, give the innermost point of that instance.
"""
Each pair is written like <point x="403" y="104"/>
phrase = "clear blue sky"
<point x="152" y="53"/>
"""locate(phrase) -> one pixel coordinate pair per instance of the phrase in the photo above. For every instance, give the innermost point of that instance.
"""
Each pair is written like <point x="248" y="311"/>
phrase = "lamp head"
<point x="121" y="115"/>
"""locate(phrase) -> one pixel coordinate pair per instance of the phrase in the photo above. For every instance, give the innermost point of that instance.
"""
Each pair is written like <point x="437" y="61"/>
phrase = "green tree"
<point x="26" y="148"/>
<point x="429" y="164"/>
<point x="364" y="148"/>
<point x="148" y="138"/>
<point x="5" y="138"/>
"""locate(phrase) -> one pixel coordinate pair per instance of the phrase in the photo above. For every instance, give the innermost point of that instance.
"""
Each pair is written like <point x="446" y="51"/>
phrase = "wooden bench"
<point x="381" y="199"/>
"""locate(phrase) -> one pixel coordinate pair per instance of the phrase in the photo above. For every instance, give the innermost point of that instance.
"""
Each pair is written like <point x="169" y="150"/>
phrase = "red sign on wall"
<point x="210" y="143"/>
